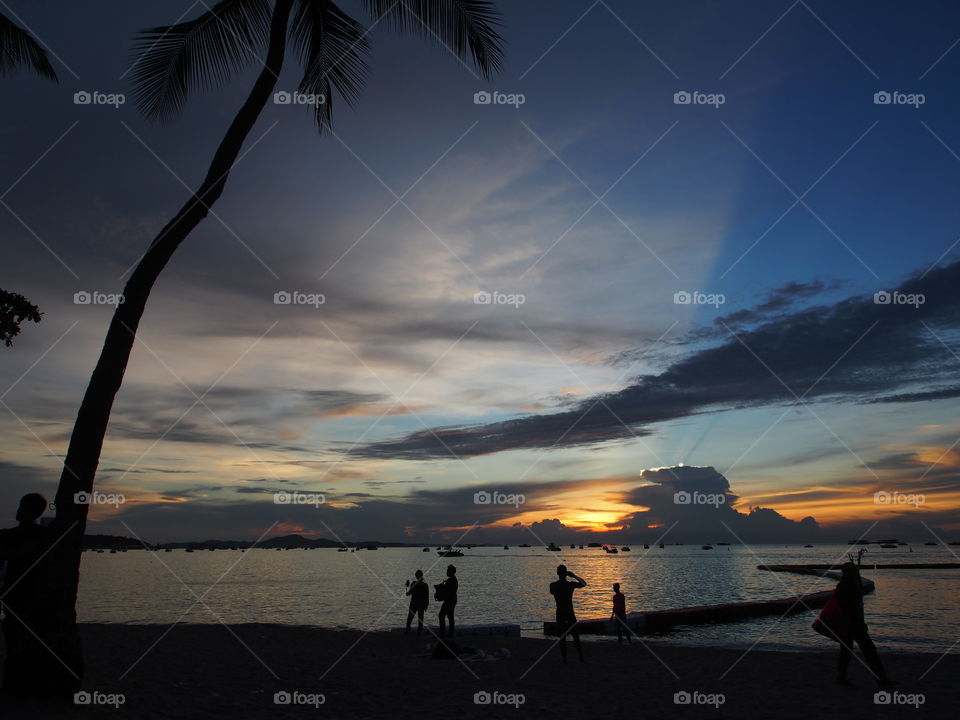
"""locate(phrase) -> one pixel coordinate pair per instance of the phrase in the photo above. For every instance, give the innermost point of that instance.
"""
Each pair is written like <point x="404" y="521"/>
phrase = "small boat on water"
<point x="611" y="550"/>
<point x="450" y="553"/>
<point x="189" y="549"/>
<point x="808" y="546"/>
<point x="661" y="546"/>
<point x="625" y="548"/>
<point x="581" y="547"/>
<point x="525" y="545"/>
<point x="647" y="547"/>
<point x="425" y="550"/>
<point x="506" y="547"/>
<point x="342" y="549"/>
<point x="706" y="547"/>
<point x="553" y="548"/>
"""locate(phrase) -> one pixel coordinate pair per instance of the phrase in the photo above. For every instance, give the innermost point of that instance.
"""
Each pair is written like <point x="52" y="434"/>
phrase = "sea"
<point x="911" y="610"/>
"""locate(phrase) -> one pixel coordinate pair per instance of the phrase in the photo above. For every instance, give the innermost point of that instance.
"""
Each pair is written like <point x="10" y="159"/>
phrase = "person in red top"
<point x="620" y="614"/>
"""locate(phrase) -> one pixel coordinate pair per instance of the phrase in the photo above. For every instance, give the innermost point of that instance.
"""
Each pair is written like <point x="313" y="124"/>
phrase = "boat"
<point x="506" y="547"/>
<point x="573" y="547"/>
<point x="611" y="550"/>
<point x="341" y="549"/>
<point x="661" y="546"/>
<point x="450" y="553"/>
<point x="581" y="547"/>
<point x="525" y="545"/>
<point x="553" y="548"/>
<point x="647" y="547"/>
<point x="929" y="543"/>
<point x="625" y="548"/>
<point x="808" y="546"/>
<point x="706" y="547"/>
<point x="168" y="550"/>
<point x="425" y="550"/>
<point x="189" y="549"/>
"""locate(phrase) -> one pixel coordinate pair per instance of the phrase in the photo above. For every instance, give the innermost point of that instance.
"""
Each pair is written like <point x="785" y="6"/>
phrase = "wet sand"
<point x="213" y="671"/>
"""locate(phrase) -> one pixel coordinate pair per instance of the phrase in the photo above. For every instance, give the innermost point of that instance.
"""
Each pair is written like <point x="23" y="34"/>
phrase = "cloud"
<point x="854" y="350"/>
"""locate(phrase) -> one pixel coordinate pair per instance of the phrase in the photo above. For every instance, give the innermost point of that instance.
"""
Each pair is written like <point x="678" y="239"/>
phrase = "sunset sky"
<point x="599" y="202"/>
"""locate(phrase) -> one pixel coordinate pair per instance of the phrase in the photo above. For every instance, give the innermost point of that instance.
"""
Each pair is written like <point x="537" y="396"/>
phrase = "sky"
<point x="585" y="299"/>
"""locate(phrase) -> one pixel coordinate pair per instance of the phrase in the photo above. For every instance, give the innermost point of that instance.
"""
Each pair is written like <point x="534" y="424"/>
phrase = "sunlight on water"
<point x="911" y="609"/>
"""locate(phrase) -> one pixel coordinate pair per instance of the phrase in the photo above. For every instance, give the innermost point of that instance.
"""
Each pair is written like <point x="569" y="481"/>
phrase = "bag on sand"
<point x="831" y="623"/>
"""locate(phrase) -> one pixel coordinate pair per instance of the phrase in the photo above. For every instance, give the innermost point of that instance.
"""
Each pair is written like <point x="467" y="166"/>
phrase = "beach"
<point x="218" y="671"/>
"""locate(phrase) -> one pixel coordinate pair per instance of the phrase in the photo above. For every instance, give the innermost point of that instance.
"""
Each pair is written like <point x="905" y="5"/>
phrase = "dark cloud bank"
<point x="884" y="353"/>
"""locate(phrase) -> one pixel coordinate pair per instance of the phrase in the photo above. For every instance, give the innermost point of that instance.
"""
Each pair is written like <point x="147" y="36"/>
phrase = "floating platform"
<point x="505" y="630"/>
<point x="658" y="621"/>
<point x="864" y="566"/>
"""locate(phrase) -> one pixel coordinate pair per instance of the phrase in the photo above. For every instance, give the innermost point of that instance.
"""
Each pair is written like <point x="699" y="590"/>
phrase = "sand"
<point x="213" y="671"/>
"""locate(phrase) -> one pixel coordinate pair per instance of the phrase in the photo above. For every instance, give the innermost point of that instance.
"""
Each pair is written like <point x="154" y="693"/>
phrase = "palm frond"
<point x="466" y="27"/>
<point x="333" y="49"/>
<point x="18" y="50"/>
<point x="172" y="61"/>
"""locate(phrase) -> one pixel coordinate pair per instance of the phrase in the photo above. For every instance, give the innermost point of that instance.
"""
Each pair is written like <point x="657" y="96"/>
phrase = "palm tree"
<point x="173" y="61"/>
<point x="18" y="50"/>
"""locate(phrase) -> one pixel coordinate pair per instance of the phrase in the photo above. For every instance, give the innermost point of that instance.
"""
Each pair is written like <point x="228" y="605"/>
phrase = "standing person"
<point x="562" y="592"/>
<point x="849" y="594"/>
<point x="419" y="594"/>
<point x="620" y="614"/>
<point x="24" y="587"/>
<point x="446" y="593"/>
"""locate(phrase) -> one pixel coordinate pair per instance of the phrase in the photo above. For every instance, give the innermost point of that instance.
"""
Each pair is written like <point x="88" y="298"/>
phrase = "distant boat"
<point x="553" y="548"/>
<point x="189" y="549"/>
<point x="808" y="546"/>
<point x="167" y="550"/>
<point x="342" y="549"/>
<point x="930" y="543"/>
<point x="573" y="547"/>
<point x="525" y="545"/>
<point x="611" y="550"/>
<point x="506" y="547"/>
<point x="581" y="547"/>
<point x="450" y="553"/>
<point x="425" y="550"/>
<point x="706" y="547"/>
<point x="594" y="544"/>
<point x="625" y="549"/>
<point x="647" y="547"/>
<point x="661" y="546"/>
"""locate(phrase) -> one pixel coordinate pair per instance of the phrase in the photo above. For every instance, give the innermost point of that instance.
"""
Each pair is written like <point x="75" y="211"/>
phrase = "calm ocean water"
<point x="911" y="609"/>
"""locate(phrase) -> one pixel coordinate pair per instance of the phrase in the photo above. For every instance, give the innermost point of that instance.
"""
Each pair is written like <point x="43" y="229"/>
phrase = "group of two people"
<point x="445" y="593"/>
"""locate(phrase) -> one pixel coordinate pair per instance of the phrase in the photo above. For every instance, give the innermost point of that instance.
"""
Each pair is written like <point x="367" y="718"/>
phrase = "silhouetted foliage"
<point x="19" y="50"/>
<point x="14" y="310"/>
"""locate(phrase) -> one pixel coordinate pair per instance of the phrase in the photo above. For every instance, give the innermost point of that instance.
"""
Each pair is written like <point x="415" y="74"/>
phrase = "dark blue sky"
<point x="692" y="198"/>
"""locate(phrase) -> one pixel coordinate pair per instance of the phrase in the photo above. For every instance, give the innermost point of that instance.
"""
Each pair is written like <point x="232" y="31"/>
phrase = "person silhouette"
<point x="446" y="593"/>
<point x="562" y="592"/>
<point x="419" y="593"/>
<point x="620" y="614"/>
<point x="24" y="622"/>
<point x="849" y="595"/>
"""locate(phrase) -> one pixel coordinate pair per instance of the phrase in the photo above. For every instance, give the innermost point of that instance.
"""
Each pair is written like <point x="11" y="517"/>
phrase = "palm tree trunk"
<point x="86" y="442"/>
